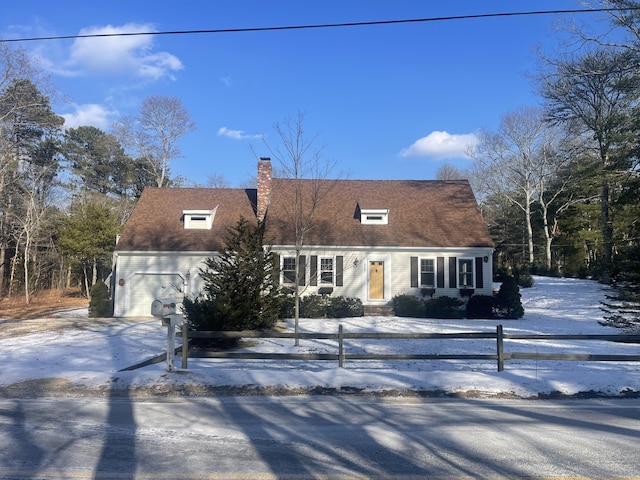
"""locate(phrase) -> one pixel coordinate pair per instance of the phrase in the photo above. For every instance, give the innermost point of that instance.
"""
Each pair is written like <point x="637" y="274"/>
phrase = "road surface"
<point x="332" y="437"/>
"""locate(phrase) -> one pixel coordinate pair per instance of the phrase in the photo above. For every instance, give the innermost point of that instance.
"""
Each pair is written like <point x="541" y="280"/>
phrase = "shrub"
<point x="313" y="306"/>
<point x="444" y="307"/>
<point x="524" y="279"/>
<point x="480" y="306"/>
<point x="322" y="306"/>
<point x="508" y="299"/>
<point x="100" y="304"/>
<point x="408" y="306"/>
<point x="344" y="307"/>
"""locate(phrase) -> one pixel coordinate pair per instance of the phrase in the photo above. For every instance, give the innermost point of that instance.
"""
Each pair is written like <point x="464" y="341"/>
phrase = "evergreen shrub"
<point x="508" y="299"/>
<point x="444" y="307"/>
<point x="480" y="306"/>
<point x="344" y="307"/>
<point x="408" y="306"/>
<point x="100" y="304"/>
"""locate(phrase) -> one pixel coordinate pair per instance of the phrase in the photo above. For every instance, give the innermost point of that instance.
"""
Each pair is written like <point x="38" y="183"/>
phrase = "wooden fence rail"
<point x="499" y="336"/>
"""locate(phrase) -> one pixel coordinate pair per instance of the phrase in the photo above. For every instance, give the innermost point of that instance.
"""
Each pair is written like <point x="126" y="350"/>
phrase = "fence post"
<point x="340" y="347"/>
<point x="500" y="340"/>
<point x="185" y="344"/>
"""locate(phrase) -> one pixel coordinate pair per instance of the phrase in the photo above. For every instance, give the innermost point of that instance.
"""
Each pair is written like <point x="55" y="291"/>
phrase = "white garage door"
<point x="145" y="288"/>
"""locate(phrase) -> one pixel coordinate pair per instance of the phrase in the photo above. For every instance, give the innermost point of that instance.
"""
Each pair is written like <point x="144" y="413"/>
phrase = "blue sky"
<point x="387" y="101"/>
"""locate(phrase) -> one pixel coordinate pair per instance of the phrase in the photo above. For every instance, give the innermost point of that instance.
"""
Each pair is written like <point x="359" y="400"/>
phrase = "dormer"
<point x="374" y="216"/>
<point x="198" y="219"/>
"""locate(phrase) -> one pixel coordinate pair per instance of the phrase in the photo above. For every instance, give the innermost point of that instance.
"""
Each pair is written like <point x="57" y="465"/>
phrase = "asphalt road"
<point x="342" y="437"/>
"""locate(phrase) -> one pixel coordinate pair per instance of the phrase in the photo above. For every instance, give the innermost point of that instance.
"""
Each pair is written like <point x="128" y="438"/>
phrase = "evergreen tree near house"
<point x="241" y="289"/>
<point x="508" y="299"/>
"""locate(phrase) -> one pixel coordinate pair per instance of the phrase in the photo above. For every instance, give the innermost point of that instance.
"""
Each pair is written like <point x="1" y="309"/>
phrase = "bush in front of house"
<point x="480" y="306"/>
<point x="408" y="306"/>
<point x="323" y="306"/>
<point x="344" y="307"/>
<point x="508" y="299"/>
<point x="444" y="307"/>
<point x="100" y="304"/>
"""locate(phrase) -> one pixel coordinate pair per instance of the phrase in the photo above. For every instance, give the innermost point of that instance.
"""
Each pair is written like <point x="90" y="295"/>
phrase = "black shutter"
<point x="440" y="272"/>
<point x="339" y="270"/>
<point x="302" y="270"/>
<point x="414" y="271"/>
<point x="313" y="270"/>
<point x="479" y="275"/>
<point x="453" y="274"/>
<point x="276" y="267"/>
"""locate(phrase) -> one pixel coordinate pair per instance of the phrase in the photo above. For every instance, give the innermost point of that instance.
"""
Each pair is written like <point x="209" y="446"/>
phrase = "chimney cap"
<point x="265" y="159"/>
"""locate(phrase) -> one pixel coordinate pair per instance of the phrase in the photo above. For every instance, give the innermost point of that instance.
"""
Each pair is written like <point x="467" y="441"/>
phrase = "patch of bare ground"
<point x="44" y="304"/>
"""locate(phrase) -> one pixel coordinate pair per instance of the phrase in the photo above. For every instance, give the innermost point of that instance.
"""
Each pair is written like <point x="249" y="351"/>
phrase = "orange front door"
<point x="376" y="280"/>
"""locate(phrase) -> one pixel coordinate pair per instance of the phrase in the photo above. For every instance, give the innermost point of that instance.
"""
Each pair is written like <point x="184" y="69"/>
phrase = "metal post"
<point x="500" y="341"/>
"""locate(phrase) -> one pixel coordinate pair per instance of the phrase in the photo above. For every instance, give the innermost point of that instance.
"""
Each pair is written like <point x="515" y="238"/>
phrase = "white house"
<point x="371" y="239"/>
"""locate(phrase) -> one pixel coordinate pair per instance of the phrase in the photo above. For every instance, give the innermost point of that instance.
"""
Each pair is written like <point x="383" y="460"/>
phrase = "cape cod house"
<point x="371" y="239"/>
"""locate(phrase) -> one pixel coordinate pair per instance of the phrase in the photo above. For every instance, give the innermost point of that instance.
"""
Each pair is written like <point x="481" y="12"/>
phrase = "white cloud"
<point x="441" y="146"/>
<point x="236" y="134"/>
<point x="117" y="55"/>
<point x="89" y="114"/>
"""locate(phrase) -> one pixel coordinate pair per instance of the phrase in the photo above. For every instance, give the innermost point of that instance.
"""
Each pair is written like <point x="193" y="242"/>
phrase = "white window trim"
<point x="283" y="280"/>
<point x="435" y="272"/>
<point x="333" y="271"/>
<point x="473" y="272"/>
<point x="374" y="216"/>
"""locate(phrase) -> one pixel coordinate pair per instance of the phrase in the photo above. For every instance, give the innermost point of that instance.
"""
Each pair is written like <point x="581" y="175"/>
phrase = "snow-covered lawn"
<point x="92" y="358"/>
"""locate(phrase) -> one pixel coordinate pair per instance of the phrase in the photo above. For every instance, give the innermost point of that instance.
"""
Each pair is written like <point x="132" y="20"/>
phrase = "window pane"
<point x="289" y="270"/>
<point x="466" y="273"/>
<point x="427" y="272"/>
<point x="326" y="271"/>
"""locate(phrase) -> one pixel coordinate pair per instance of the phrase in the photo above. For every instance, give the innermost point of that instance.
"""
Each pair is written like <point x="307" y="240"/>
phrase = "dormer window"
<point x="198" y="219"/>
<point x="378" y="216"/>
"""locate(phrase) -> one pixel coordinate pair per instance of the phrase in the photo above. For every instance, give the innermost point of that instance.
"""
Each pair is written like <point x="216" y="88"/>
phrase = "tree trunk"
<point x="529" y="229"/>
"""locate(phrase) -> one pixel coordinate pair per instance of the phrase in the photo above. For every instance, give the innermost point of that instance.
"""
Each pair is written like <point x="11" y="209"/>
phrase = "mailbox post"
<point x="165" y="308"/>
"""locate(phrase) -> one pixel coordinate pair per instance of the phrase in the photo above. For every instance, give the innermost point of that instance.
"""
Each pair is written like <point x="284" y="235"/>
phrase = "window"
<point x="465" y="273"/>
<point x="198" y="219"/>
<point x="289" y="270"/>
<point x="326" y="271"/>
<point x="427" y="272"/>
<point x="374" y="216"/>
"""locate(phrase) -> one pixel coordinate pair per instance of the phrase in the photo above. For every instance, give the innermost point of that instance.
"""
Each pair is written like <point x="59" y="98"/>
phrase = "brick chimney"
<point x="264" y="187"/>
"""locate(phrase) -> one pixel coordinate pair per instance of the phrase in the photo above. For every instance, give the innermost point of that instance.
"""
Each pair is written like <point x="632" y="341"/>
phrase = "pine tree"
<point x="241" y="291"/>
<point x="508" y="299"/>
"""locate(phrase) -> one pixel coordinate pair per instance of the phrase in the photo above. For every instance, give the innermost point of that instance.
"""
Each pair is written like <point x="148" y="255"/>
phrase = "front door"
<point x="376" y="280"/>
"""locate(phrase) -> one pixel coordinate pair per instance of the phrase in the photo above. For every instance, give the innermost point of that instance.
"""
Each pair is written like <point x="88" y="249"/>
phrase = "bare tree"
<point x="153" y="135"/>
<point x="451" y="172"/>
<point x="301" y="160"/>
<point x="216" y="180"/>
<point x="509" y="157"/>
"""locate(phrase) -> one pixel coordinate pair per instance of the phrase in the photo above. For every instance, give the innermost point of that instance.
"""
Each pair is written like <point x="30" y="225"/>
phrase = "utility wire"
<point x="324" y="25"/>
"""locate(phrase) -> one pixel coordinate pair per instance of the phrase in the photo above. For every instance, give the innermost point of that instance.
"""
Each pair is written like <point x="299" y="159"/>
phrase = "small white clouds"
<point x="117" y="55"/>
<point x="236" y="134"/>
<point x="89" y="114"/>
<point x="442" y="145"/>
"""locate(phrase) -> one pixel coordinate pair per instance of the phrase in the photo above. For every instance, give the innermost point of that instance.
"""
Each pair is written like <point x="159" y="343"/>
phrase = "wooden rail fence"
<point x="341" y="355"/>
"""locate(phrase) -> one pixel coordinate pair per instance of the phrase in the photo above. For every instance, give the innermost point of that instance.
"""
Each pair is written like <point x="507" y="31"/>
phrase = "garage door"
<point x="145" y="288"/>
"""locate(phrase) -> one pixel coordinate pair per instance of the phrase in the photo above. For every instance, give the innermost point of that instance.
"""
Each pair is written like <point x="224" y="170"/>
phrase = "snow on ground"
<point x="92" y="358"/>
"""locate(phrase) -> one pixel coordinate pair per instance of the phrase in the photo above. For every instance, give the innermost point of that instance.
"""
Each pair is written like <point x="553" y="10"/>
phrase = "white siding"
<point x="142" y="277"/>
<point x="397" y="266"/>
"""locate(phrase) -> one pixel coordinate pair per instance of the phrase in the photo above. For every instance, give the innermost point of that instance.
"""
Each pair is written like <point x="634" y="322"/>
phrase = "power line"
<point x="323" y="25"/>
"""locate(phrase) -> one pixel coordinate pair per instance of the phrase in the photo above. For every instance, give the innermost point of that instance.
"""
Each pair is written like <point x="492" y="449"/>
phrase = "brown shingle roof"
<point x="156" y="223"/>
<point x="422" y="213"/>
